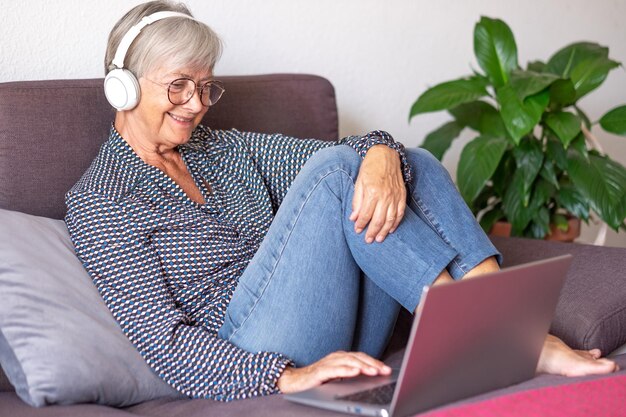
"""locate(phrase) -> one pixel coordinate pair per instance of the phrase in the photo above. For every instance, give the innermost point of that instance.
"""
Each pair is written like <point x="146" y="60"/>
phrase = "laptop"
<point x="468" y="337"/>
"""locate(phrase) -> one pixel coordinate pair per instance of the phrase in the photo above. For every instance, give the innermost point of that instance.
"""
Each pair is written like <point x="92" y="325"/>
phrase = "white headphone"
<point x="121" y="87"/>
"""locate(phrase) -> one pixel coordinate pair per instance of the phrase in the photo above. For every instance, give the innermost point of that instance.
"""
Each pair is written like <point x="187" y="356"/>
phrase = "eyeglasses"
<point x="181" y="90"/>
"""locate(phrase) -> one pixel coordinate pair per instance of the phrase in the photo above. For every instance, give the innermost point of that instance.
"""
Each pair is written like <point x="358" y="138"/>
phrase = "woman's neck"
<point x="151" y="152"/>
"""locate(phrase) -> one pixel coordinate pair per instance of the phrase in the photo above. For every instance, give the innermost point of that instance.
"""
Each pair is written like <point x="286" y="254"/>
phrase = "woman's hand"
<point x="379" y="194"/>
<point x="336" y="365"/>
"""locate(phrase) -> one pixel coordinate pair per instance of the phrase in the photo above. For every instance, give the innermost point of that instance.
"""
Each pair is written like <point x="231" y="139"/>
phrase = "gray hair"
<point x="175" y="41"/>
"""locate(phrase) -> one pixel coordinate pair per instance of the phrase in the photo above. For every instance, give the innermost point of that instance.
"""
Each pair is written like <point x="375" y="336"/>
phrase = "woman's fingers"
<point x="377" y="210"/>
<point x="373" y="362"/>
<point x="357" y="200"/>
<point x="335" y="365"/>
<point x="400" y="209"/>
<point x="388" y="216"/>
<point x="348" y="364"/>
<point x="379" y="194"/>
<point x="326" y="373"/>
<point x="366" y="207"/>
<point x="395" y="213"/>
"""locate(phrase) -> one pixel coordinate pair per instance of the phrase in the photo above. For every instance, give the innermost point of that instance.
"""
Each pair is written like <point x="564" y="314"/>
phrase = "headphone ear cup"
<point x="121" y="89"/>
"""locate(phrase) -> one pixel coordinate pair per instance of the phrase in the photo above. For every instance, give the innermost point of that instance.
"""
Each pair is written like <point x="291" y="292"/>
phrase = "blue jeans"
<point x="315" y="287"/>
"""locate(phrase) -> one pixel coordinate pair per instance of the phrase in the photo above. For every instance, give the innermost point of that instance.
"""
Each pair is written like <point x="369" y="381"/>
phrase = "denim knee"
<point x="331" y="158"/>
<point x="423" y="162"/>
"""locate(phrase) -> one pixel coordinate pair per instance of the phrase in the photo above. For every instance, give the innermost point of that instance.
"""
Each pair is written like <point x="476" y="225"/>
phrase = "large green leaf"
<point x="614" y="121"/>
<point x="589" y="74"/>
<point x="565" y="125"/>
<point x="528" y="211"/>
<point x="491" y="124"/>
<point x="573" y="201"/>
<point x="527" y="83"/>
<point x="539" y="226"/>
<point x="479" y="160"/>
<point x="537" y="66"/>
<point x="521" y="116"/>
<point x="548" y="171"/>
<point x="518" y="214"/>
<point x="567" y="58"/>
<point x="603" y="183"/>
<point x="482" y="201"/>
<point x="449" y="95"/>
<point x="490" y="218"/>
<point x="480" y="116"/>
<point x="579" y="144"/>
<point x="583" y="116"/>
<point x="542" y="193"/>
<point x="469" y="114"/>
<point x="501" y="179"/>
<point x="556" y="152"/>
<point x="438" y="141"/>
<point x="529" y="160"/>
<point x="562" y="93"/>
<point x="495" y="49"/>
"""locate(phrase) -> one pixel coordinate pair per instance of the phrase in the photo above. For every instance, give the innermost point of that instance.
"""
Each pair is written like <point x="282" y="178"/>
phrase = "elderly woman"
<point x="244" y="264"/>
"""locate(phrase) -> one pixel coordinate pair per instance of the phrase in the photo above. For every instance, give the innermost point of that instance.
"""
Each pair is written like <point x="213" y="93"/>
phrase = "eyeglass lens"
<point x="181" y="90"/>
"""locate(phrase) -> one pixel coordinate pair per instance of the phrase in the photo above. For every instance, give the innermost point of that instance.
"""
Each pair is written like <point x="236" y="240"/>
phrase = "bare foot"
<point x="559" y="359"/>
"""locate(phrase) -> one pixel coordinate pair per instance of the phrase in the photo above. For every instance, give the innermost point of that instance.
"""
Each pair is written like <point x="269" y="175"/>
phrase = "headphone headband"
<point x="133" y="32"/>
<point x="121" y="87"/>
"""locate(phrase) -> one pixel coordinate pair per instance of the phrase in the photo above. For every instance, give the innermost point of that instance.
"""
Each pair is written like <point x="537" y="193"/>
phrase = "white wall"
<point x="380" y="55"/>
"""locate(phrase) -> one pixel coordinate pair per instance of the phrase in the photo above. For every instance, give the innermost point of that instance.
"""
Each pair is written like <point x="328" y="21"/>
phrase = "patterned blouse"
<point x="167" y="267"/>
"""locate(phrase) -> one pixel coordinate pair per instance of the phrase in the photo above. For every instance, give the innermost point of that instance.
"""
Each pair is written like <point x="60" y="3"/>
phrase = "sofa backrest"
<point x="51" y="130"/>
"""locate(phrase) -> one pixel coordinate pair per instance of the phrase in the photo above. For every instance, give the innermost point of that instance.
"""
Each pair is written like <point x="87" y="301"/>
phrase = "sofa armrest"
<point x="591" y="312"/>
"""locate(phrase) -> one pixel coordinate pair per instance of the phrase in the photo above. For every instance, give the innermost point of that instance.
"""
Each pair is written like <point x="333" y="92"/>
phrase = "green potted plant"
<point x="531" y="162"/>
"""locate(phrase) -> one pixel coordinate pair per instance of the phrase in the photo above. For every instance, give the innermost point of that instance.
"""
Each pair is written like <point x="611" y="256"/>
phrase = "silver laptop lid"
<point x="478" y="334"/>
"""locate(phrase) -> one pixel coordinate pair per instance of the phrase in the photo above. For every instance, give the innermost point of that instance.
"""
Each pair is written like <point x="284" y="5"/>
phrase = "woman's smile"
<point x="181" y="119"/>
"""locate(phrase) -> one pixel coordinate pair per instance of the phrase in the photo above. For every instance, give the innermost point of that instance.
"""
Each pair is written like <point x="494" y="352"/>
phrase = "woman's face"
<point x="161" y="122"/>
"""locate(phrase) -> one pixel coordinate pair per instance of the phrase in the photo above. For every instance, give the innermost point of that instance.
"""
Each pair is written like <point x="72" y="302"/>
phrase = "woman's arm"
<point x="379" y="195"/>
<point x="278" y="159"/>
<point x="112" y="243"/>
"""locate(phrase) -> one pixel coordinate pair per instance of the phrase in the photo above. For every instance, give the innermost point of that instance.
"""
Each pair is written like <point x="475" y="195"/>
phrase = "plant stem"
<point x="595" y="143"/>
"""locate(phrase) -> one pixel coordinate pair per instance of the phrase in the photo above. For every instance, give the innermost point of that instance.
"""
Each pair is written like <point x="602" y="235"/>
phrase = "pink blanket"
<point x="604" y="397"/>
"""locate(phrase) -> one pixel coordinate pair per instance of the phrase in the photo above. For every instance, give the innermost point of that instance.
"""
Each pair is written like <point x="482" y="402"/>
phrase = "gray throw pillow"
<point x="59" y="344"/>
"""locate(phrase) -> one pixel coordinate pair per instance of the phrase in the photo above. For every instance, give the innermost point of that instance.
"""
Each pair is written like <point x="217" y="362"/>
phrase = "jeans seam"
<point x="435" y="227"/>
<point x="433" y="269"/>
<point x="273" y="270"/>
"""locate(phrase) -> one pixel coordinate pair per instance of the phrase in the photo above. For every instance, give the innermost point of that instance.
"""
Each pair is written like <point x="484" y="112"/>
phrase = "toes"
<point x="589" y="354"/>
<point x="592" y="354"/>
<point x="595" y="353"/>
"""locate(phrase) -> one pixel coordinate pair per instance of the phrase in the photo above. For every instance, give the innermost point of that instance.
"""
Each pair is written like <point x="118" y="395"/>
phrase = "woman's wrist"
<point x="284" y="380"/>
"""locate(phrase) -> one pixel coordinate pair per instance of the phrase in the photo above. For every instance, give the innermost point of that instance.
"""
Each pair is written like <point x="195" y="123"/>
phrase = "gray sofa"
<point x="50" y="131"/>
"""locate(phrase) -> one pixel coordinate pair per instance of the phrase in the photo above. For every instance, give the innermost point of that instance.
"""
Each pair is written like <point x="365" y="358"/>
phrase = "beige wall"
<point x="379" y="54"/>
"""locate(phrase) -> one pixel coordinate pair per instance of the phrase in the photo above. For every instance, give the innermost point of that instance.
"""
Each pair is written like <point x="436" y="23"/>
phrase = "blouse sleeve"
<point x="279" y="158"/>
<point x="111" y="240"/>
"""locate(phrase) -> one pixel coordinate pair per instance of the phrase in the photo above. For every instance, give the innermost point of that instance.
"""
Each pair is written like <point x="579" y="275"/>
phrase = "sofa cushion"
<point x="591" y="312"/>
<point x="58" y="341"/>
<point x="5" y="384"/>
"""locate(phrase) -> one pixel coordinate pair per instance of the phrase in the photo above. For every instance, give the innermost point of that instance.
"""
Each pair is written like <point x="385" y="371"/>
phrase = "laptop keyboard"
<point x="380" y="395"/>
